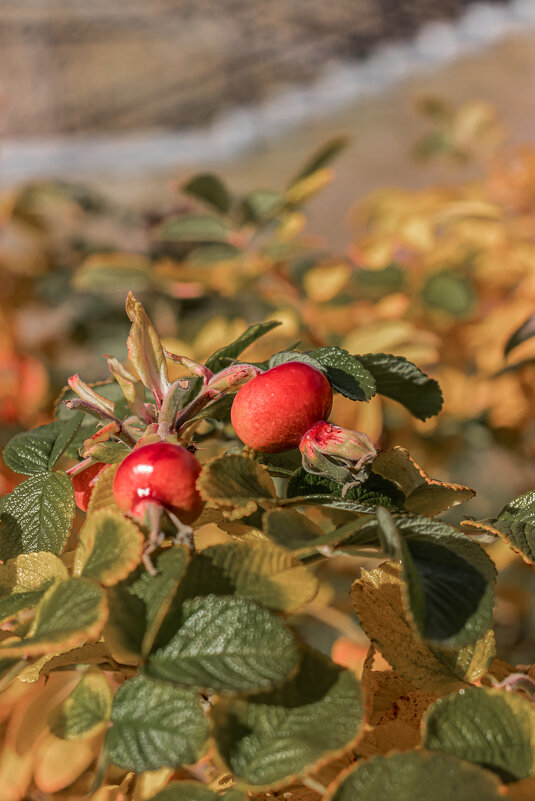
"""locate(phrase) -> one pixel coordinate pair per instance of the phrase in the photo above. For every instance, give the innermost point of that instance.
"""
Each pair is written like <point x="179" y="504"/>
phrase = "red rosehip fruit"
<point x="84" y="484"/>
<point x="273" y="411"/>
<point x="160" y="473"/>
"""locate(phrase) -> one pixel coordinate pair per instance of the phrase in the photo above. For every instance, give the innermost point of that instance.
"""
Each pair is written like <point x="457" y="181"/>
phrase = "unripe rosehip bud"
<point x="337" y="452"/>
<point x="160" y="473"/>
<point x="84" y="483"/>
<point x="231" y="378"/>
<point x="273" y="411"/>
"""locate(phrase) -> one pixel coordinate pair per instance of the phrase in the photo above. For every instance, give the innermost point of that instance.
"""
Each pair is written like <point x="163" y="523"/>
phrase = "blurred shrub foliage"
<point x="444" y="276"/>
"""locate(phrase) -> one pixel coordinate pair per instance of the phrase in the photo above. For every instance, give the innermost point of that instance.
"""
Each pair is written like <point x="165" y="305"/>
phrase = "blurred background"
<point x="362" y="171"/>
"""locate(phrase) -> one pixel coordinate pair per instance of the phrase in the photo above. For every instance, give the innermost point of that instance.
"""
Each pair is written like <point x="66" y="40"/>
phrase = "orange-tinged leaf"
<point x="71" y="612"/>
<point x="151" y="782"/>
<point x="237" y="485"/>
<point x="58" y="763"/>
<point x="109" y="547"/>
<point x="423" y="495"/>
<point x="145" y="350"/>
<point x="15" y="774"/>
<point x="86" y="711"/>
<point x="324" y="282"/>
<point x="102" y="495"/>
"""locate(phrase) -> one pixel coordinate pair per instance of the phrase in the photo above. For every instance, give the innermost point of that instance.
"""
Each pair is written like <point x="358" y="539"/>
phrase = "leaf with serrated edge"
<point x="86" y="710"/>
<point x="285" y="356"/>
<point x="220" y="358"/>
<point x="71" y="612"/>
<point x="346" y="373"/>
<point x="448" y="580"/>
<point x="378" y="600"/>
<point x="109" y="547"/>
<point x="421" y="775"/>
<point x="155" y="725"/>
<point x="102" y="496"/>
<point x="145" y="350"/>
<point x="494" y="728"/>
<point x="269" y="738"/>
<point x="259" y="570"/>
<point x="226" y="643"/>
<point x="37" y="515"/>
<point x="158" y="591"/>
<point x="423" y="495"/>
<point x="399" y="379"/>
<point x="236" y="484"/>
<point x="25" y="579"/>
<point x="515" y="525"/>
<point x="38" y="450"/>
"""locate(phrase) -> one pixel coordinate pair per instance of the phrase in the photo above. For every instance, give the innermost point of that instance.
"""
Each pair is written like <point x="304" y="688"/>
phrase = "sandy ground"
<point x="382" y="131"/>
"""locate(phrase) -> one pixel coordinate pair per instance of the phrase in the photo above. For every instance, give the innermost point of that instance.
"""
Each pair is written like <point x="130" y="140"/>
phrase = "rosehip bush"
<point x="158" y="650"/>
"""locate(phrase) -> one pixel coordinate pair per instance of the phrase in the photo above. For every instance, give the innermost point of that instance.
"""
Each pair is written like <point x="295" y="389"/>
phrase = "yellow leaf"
<point x="324" y="282"/>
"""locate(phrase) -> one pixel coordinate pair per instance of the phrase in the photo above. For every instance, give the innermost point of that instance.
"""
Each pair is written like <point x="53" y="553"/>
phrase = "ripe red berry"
<point x="161" y="473"/>
<point x="84" y="484"/>
<point x="272" y="411"/>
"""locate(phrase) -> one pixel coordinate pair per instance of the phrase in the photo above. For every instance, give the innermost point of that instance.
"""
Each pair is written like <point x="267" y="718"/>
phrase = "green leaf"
<point x="70" y="613"/>
<point x="289" y="528"/>
<point x="260" y="205"/>
<point x="449" y="292"/>
<point x="193" y="228"/>
<point x="451" y="576"/>
<point x="102" y="496"/>
<point x="109" y="547"/>
<point x="423" y="495"/>
<point x="158" y="592"/>
<point x="113" y="272"/>
<point x="108" y="452"/>
<point x="402" y="381"/>
<point x="379" y="601"/>
<point x="416" y="775"/>
<point x="522" y="334"/>
<point x="212" y="253"/>
<point x="226" y="643"/>
<point x="295" y="356"/>
<point x="209" y="189"/>
<point x="219" y="359"/>
<point x="516" y="525"/>
<point x="87" y="709"/>
<point x="127" y="620"/>
<point x="493" y="728"/>
<point x="346" y="373"/>
<point x="155" y="725"/>
<point x="38" y="450"/>
<point x="68" y="432"/>
<point x="25" y="579"/>
<point x="236" y="484"/>
<point x="373" y="492"/>
<point x="37" y="515"/>
<point x="259" y="570"/>
<point x="321" y="158"/>
<point x="269" y="738"/>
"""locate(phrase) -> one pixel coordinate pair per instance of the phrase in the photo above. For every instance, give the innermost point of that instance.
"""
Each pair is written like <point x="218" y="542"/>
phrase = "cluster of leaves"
<point x="442" y="276"/>
<point x="193" y="683"/>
